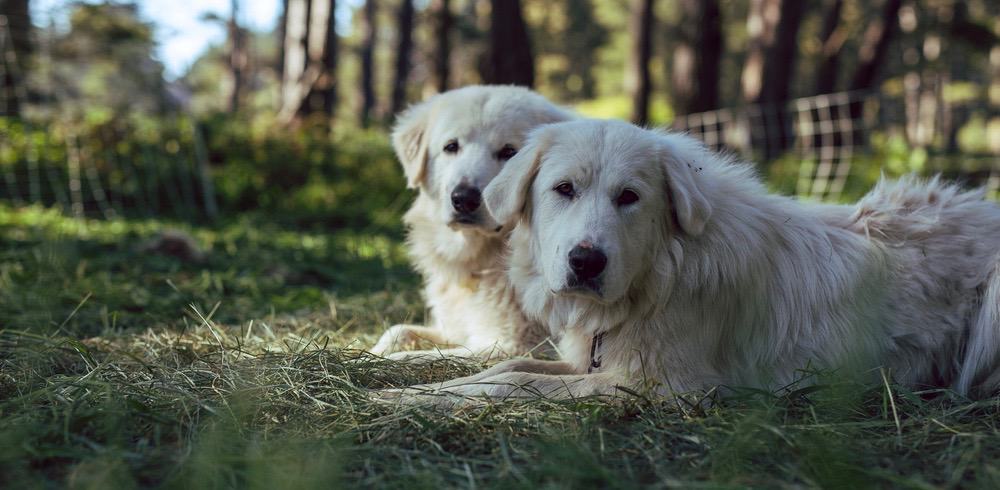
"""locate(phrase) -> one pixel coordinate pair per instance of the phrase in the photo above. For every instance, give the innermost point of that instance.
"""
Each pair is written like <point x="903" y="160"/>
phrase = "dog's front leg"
<point x="506" y="385"/>
<point x="521" y="365"/>
<point x="399" y="337"/>
<point x="432" y="392"/>
<point x="523" y="385"/>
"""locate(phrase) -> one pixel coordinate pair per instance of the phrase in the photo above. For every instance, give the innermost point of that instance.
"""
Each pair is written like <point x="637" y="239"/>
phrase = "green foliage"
<point x="153" y="167"/>
<point x="566" y="38"/>
<point x="307" y="177"/>
<point x="618" y="107"/>
<point x="103" y="66"/>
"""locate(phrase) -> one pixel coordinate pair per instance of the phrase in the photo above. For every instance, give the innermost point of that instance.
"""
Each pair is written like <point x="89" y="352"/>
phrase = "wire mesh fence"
<point x="831" y="134"/>
<point x="107" y="172"/>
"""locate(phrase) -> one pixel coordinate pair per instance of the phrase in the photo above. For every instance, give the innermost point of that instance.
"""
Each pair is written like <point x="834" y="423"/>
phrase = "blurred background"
<point x="192" y="109"/>
<point x="200" y="225"/>
<point x="261" y="126"/>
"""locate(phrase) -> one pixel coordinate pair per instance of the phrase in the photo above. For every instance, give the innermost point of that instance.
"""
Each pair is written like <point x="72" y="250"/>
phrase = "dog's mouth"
<point x="465" y="221"/>
<point x="588" y="289"/>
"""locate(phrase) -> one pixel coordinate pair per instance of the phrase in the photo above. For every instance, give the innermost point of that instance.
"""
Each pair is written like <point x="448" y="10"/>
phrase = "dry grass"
<point x="215" y="387"/>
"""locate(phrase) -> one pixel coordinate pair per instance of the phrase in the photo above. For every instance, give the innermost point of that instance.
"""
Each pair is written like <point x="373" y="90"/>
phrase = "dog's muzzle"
<point x="466" y="201"/>
<point x="586" y="264"/>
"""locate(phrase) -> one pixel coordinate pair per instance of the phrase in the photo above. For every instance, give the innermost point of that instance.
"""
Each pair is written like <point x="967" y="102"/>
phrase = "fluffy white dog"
<point x="451" y="146"/>
<point x="659" y="262"/>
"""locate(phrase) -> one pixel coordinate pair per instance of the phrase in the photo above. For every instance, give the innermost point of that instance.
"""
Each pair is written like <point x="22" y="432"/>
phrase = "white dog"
<point x="660" y="262"/>
<point x="451" y="146"/>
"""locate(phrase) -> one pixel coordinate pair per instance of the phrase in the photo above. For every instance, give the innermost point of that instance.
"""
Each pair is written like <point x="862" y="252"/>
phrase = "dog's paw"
<point x="396" y="338"/>
<point x="386" y="345"/>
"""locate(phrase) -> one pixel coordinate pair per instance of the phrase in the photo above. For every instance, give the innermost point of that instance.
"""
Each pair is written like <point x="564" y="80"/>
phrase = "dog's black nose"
<point x="466" y="199"/>
<point x="587" y="262"/>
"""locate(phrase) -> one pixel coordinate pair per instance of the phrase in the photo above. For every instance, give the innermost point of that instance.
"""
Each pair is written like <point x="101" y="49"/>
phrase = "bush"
<point x="157" y="168"/>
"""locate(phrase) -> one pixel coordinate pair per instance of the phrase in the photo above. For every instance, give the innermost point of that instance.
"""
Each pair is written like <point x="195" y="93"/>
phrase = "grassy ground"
<point x="120" y="367"/>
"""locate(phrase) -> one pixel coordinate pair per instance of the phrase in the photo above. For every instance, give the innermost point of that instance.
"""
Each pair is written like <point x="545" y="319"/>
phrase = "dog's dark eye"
<point x="628" y="196"/>
<point x="506" y="153"/>
<point x="451" y="147"/>
<point x="565" y="188"/>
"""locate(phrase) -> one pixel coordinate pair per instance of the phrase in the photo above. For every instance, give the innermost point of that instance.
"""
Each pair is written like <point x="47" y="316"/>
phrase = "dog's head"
<point x="600" y="199"/>
<point x="453" y="144"/>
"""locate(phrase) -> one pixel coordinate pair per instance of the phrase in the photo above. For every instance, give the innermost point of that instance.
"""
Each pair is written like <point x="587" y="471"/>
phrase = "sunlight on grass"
<point x="123" y="368"/>
<point x="619" y="107"/>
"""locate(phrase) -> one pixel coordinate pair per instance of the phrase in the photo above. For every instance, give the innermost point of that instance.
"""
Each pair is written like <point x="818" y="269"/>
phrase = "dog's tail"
<point x="983" y="345"/>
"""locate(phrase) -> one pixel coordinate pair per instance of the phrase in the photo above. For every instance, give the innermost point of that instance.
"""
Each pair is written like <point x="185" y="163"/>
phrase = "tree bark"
<point x="877" y="37"/>
<point x="637" y="79"/>
<point x="237" y="57"/>
<point x="403" y="52"/>
<point x="779" y="67"/>
<point x="773" y="26"/>
<point x="510" y="58"/>
<point x="309" y="85"/>
<point x="326" y="87"/>
<point x="832" y="38"/>
<point x="442" y="48"/>
<point x="282" y="23"/>
<point x="368" y="62"/>
<point x="760" y="31"/>
<point x="16" y="48"/>
<point x="696" y="58"/>
<point x="296" y="33"/>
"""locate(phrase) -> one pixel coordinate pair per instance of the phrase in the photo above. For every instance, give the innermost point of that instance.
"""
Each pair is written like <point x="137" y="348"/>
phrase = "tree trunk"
<point x="510" y="58"/>
<point x="696" y="58"/>
<point x="637" y="79"/>
<point x="296" y="33"/>
<point x="874" y="44"/>
<point x="309" y="85"/>
<point x="832" y="38"/>
<point x="368" y="62"/>
<point x="779" y="67"/>
<point x="282" y="23"/>
<point x="237" y="57"/>
<point x="326" y="87"/>
<point x="15" y="49"/>
<point x="582" y="37"/>
<point x="991" y="101"/>
<point x="773" y="26"/>
<point x="442" y="32"/>
<point x="403" y="52"/>
<point x="760" y="32"/>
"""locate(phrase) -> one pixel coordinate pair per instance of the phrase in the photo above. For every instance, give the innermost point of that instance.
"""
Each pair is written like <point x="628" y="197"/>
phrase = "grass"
<point x="123" y="368"/>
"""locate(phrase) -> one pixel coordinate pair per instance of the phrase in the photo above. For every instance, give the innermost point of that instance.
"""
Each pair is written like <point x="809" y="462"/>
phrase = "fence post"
<point x="207" y="186"/>
<point x="73" y="172"/>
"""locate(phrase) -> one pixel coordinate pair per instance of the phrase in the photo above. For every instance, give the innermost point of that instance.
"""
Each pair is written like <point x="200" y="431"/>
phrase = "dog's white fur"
<point x="711" y="281"/>
<point x="472" y="306"/>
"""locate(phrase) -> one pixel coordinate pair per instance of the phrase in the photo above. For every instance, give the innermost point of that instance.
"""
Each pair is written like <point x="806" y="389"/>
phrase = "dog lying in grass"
<point x="661" y="265"/>
<point x="451" y="146"/>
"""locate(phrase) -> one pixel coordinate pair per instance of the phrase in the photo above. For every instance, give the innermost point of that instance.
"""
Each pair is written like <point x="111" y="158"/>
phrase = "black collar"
<point x="595" y="348"/>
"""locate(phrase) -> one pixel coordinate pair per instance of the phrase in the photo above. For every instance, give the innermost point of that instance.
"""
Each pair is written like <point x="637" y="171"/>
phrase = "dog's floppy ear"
<point x="507" y="193"/>
<point x="684" y="162"/>
<point x="409" y="140"/>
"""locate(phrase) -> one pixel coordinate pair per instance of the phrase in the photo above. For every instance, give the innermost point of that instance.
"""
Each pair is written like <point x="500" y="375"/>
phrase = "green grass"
<point x="123" y="368"/>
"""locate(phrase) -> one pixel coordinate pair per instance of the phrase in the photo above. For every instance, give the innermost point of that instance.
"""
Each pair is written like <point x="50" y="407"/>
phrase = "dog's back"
<point x="945" y="245"/>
